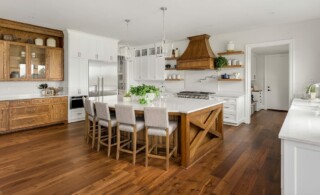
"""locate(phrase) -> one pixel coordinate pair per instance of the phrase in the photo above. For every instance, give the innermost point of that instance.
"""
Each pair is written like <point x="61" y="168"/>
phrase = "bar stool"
<point x="157" y="124"/>
<point x="91" y="129"/>
<point x="126" y="121"/>
<point x="105" y="120"/>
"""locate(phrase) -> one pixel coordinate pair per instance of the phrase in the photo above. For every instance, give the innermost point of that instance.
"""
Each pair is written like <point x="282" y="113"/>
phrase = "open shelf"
<point x="231" y="53"/>
<point x="229" y="79"/>
<point x="233" y="66"/>
<point x="174" y="79"/>
<point x="171" y="58"/>
<point x="171" y="69"/>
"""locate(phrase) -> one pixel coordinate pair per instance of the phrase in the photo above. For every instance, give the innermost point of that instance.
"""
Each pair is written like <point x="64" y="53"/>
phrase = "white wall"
<point x="306" y="52"/>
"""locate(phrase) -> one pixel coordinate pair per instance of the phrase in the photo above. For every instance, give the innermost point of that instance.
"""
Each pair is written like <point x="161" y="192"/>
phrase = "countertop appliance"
<point x="196" y="95"/>
<point x="103" y="79"/>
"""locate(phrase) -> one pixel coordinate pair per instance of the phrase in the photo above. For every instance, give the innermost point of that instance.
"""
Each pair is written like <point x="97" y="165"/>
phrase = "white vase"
<point x="150" y="96"/>
<point x="43" y="92"/>
<point x="230" y="46"/>
<point x="313" y="95"/>
<point x="127" y="99"/>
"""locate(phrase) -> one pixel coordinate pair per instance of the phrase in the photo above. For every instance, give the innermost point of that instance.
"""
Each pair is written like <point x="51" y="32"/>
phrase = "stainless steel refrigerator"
<point x="103" y="79"/>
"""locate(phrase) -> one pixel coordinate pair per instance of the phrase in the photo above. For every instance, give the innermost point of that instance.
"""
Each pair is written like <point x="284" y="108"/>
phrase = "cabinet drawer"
<point x="59" y="100"/>
<point x="18" y="103"/>
<point x="41" y="101"/>
<point x="22" y="112"/>
<point x="77" y="114"/>
<point x="4" y="104"/>
<point x="229" y="117"/>
<point x="29" y="121"/>
<point x="229" y="107"/>
<point x="228" y="100"/>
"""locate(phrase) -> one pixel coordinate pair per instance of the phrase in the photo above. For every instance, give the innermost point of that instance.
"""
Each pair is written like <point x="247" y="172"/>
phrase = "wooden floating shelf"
<point x="233" y="66"/>
<point x="229" y="79"/>
<point x="171" y="69"/>
<point x="174" y="79"/>
<point x="171" y="58"/>
<point x="231" y="53"/>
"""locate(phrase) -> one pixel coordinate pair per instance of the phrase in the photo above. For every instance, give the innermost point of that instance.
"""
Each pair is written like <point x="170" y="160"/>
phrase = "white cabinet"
<point x="299" y="168"/>
<point x="160" y="68"/>
<point x="233" y="109"/>
<point x="136" y="69"/>
<point x="78" y="76"/>
<point x="78" y="45"/>
<point x="112" y="50"/>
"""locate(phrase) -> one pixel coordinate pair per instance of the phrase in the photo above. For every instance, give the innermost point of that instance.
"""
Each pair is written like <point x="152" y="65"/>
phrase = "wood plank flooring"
<point x="57" y="160"/>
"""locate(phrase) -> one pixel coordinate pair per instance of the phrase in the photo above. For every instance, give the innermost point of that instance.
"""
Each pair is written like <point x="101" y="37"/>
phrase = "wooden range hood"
<point x="198" y="55"/>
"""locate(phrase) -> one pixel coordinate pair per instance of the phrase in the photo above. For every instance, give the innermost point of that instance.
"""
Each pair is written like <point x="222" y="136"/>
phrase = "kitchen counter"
<point x="300" y="148"/>
<point x="200" y="123"/>
<point x="27" y="96"/>
<point x="302" y="122"/>
<point x="173" y="104"/>
<point x="230" y="94"/>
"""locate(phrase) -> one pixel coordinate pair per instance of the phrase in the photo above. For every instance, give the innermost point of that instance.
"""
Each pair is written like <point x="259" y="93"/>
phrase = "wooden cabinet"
<point x="20" y="61"/>
<point x="4" y="116"/>
<point x="25" y="114"/>
<point x="55" y="63"/>
<point x="2" y="60"/>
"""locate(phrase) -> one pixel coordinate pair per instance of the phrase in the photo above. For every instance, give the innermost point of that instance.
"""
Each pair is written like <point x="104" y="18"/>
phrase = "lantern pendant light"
<point x="163" y="41"/>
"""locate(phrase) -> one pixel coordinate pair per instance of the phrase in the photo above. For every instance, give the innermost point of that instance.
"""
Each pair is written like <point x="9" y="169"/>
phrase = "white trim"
<point x="249" y="48"/>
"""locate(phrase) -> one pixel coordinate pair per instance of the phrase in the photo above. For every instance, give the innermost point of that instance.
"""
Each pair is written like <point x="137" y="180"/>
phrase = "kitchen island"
<point x="300" y="148"/>
<point x="200" y="123"/>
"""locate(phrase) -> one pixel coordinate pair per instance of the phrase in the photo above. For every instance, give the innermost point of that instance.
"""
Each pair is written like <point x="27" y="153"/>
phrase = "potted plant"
<point x="127" y="97"/>
<point x="145" y="93"/>
<point x="43" y="87"/>
<point x="220" y="62"/>
<point x="311" y="90"/>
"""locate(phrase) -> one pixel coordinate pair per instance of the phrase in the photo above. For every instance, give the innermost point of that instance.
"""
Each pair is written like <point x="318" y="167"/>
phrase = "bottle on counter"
<point x="173" y="53"/>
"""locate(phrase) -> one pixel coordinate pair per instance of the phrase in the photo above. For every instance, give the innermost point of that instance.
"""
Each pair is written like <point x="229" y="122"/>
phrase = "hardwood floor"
<point x="57" y="160"/>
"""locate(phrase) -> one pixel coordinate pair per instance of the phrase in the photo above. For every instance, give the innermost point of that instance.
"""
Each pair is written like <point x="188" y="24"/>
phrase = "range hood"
<point x="198" y="54"/>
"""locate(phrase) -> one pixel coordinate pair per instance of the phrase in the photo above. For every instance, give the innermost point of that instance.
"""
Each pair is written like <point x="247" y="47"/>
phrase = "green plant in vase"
<point x="220" y="62"/>
<point x="145" y="92"/>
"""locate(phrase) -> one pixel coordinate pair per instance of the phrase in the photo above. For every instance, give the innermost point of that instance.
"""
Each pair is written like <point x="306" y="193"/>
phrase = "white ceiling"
<point x="280" y="49"/>
<point x="183" y="17"/>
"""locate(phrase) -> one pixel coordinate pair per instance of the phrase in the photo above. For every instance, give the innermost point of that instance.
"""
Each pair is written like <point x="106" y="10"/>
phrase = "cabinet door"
<point x="102" y="49"/>
<point x="78" y="45"/>
<point x="144" y="68"/>
<point x="112" y="51"/>
<point x="4" y="116"/>
<point x="160" y="68"/>
<point x="38" y="63"/>
<point x="78" y="76"/>
<point x="55" y="63"/>
<point x="59" y="112"/>
<point x="2" y="61"/>
<point x="152" y="67"/>
<point x="16" y="61"/>
<point x="136" y="69"/>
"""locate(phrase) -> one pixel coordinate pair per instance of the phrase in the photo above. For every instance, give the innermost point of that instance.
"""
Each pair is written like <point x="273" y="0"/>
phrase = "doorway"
<point x="269" y="72"/>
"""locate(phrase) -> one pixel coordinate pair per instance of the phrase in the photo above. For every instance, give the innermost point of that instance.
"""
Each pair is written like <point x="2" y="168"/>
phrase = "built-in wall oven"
<point x="76" y="102"/>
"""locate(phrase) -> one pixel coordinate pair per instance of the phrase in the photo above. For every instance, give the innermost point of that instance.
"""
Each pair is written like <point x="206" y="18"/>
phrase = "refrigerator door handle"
<point x="98" y="86"/>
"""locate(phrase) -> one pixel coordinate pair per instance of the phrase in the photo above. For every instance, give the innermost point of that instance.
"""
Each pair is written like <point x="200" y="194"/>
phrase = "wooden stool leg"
<point x="175" y="143"/>
<point x="88" y="131"/>
<point x="109" y="138"/>
<point x="147" y="147"/>
<point x="93" y="132"/>
<point x="134" y="146"/>
<point x="118" y="142"/>
<point x="99" y="138"/>
<point x="167" y="150"/>
<point x="156" y="143"/>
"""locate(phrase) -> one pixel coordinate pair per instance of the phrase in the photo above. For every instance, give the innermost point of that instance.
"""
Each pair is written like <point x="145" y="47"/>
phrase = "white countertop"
<point x="230" y="94"/>
<point x="27" y="96"/>
<point x="173" y="104"/>
<point x="302" y="123"/>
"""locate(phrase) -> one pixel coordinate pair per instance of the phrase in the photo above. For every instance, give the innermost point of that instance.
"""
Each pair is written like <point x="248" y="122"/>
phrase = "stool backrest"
<point x="89" y="107"/>
<point x="125" y="114"/>
<point x="102" y="110"/>
<point x="156" y="117"/>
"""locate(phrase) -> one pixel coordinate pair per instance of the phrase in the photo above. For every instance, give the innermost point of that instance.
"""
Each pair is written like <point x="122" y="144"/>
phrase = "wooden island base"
<point x="199" y="132"/>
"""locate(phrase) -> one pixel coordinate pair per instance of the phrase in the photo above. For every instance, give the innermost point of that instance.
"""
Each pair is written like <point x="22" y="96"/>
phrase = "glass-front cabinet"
<point x="38" y="66"/>
<point x="17" y="61"/>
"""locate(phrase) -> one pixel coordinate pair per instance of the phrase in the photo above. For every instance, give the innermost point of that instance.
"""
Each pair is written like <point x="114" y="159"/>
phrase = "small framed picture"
<point x="49" y="92"/>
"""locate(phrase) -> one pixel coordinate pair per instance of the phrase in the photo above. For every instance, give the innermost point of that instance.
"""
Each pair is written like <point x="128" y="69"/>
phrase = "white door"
<point x="277" y="82"/>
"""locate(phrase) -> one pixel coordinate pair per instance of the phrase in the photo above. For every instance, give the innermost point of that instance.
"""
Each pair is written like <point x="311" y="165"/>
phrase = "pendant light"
<point x="163" y="41"/>
<point x="126" y="47"/>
